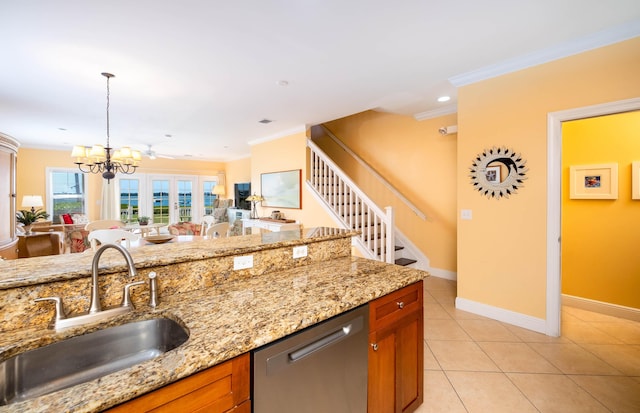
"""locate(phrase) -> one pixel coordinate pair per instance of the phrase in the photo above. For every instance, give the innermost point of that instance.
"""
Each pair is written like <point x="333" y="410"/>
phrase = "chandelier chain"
<point x="108" y="94"/>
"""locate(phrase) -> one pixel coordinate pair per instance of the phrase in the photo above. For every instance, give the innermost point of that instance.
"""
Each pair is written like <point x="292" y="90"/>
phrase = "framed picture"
<point x="282" y="189"/>
<point x="594" y="181"/>
<point x="635" y="180"/>
<point x="493" y="174"/>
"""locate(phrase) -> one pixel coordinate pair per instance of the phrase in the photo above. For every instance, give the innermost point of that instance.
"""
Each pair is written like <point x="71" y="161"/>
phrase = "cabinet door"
<point x="381" y="388"/>
<point x="396" y="359"/>
<point x="409" y="362"/>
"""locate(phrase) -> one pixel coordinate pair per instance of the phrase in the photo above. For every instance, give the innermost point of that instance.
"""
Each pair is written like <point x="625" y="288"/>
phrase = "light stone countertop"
<point x="33" y="271"/>
<point x="225" y="320"/>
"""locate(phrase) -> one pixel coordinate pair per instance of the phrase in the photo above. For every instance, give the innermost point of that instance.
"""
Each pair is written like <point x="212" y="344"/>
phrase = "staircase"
<point x="352" y="208"/>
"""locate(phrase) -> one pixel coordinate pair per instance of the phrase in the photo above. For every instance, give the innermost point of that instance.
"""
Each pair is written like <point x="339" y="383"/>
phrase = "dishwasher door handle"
<point x="319" y="344"/>
<point x="313" y="343"/>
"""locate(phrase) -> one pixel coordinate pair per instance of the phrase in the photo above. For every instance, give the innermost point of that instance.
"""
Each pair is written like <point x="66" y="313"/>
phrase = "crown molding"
<point x="430" y="114"/>
<point x="281" y="134"/>
<point x="599" y="39"/>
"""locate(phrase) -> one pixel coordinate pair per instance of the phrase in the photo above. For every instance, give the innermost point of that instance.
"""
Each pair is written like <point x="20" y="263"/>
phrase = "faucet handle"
<point x="153" y="289"/>
<point x="126" y="296"/>
<point x="60" y="314"/>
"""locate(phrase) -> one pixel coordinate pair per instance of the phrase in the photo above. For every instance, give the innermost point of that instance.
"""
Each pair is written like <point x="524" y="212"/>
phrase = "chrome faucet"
<point x="94" y="305"/>
<point x="95" y="313"/>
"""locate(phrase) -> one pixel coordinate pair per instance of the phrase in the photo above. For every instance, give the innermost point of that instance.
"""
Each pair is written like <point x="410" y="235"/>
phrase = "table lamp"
<point x="33" y="201"/>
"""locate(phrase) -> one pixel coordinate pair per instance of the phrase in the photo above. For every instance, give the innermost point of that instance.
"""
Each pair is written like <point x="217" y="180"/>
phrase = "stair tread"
<point x="405" y="261"/>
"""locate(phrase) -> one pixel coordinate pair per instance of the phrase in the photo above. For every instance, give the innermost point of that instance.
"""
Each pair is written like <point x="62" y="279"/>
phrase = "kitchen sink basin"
<point x="83" y="358"/>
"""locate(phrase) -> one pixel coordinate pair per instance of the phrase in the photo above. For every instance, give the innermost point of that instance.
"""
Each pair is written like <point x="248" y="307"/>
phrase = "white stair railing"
<point x="351" y="206"/>
<point x="321" y="129"/>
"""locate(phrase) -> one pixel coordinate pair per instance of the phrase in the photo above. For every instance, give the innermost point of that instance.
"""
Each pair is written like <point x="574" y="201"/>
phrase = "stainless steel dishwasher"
<point x="322" y="369"/>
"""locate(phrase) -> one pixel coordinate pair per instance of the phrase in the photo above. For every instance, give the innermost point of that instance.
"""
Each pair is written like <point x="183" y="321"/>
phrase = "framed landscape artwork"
<point x="282" y="189"/>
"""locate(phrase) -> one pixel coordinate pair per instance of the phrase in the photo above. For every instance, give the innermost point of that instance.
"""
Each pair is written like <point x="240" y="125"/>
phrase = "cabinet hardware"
<point x="374" y="346"/>
<point x="400" y="304"/>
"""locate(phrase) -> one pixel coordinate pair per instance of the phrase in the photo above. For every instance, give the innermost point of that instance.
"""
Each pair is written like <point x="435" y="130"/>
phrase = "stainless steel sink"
<point x="83" y="358"/>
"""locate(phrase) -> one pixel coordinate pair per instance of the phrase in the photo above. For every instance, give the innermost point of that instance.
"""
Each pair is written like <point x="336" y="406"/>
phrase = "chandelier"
<point x="104" y="160"/>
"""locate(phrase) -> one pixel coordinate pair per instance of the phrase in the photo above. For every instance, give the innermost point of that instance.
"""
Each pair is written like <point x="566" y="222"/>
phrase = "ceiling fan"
<point x="151" y="154"/>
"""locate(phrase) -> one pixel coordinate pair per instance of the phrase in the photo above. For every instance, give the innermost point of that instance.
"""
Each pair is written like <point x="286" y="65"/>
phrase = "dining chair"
<point x="111" y="236"/>
<point x="207" y="221"/>
<point x="221" y="228"/>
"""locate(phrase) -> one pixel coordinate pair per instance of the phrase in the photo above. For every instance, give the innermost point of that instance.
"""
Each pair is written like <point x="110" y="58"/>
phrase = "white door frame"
<point x="554" y="197"/>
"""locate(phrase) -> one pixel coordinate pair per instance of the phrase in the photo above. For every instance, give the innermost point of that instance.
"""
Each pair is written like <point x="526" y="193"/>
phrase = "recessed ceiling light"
<point x="63" y="129"/>
<point x="282" y="83"/>
<point x="444" y="98"/>
<point x="265" y="121"/>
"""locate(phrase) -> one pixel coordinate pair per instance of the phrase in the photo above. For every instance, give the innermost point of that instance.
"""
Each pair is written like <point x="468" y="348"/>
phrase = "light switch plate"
<point x="243" y="262"/>
<point x="300" y="251"/>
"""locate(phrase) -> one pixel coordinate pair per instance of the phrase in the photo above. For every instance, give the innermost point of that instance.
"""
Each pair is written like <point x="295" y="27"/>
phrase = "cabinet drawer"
<point x="217" y="389"/>
<point x="390" y="308"/>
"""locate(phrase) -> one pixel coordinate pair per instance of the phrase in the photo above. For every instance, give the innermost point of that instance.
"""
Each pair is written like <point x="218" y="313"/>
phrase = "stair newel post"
<point x="390" y="235"/>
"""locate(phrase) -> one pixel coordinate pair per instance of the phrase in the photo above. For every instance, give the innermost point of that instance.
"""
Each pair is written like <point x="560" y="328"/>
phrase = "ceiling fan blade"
<point x="165" y="156"/>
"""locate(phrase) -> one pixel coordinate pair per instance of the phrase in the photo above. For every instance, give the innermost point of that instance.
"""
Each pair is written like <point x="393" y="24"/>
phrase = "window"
<point x="185" y="190"/>
<point x="208" y="196"/>
<point x="129" y="199"/>
<point x="165" y="198"/>
<point x="160" y="201"/>
<point x="66" y="193"/>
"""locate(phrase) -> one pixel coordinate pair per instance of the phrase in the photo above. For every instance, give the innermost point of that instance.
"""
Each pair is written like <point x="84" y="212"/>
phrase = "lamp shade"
<point x="255" y="198"/>
<point x="33" y="201"/>
<point x="218" y="190"/>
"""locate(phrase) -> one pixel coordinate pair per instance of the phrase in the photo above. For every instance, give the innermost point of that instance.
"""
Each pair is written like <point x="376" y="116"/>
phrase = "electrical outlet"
<point x="300" y="251"/>
<point x="466" y="214"/>
<point x="242" y="262"/>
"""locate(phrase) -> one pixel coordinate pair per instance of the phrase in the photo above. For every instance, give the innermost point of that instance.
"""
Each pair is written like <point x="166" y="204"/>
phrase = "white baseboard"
<point x="447" y="275"/>
<point x="614" y="310"/>
<point x="500" y="314"/>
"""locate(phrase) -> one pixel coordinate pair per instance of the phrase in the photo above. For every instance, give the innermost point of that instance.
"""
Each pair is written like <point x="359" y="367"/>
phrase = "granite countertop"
<point x="224" y="321"/>
<point x="33" y="271"/>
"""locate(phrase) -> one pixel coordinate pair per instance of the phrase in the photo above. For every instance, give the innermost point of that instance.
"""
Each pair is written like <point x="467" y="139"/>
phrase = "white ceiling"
<point x="206" y="71"/>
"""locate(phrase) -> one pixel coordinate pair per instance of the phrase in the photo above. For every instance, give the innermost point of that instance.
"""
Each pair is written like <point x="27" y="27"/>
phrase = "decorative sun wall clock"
<point x="498" y="172"/>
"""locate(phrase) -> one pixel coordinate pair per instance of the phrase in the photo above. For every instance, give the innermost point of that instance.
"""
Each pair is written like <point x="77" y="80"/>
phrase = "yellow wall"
<point x="599" y="237"/>
<point x="418" y="161"/>
<point x="32" y="164"/>
<point x="286" y="154"/>
<point x="237" y="171"/>
<point x="501" y="251"/>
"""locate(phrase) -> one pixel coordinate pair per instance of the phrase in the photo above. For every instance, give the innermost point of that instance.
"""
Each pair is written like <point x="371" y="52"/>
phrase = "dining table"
<point x="145" y="230"/>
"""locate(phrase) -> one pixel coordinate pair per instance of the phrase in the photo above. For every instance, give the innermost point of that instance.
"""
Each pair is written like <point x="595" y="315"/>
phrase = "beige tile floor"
<point x="475" y="364"/>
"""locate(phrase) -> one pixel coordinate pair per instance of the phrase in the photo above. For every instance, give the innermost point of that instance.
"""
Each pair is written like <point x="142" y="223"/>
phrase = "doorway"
<point x="554" y="194"/>
<point x="173" y="198"/>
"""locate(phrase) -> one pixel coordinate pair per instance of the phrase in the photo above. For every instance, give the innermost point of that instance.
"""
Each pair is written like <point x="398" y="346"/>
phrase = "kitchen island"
<point x="227" y="312"/>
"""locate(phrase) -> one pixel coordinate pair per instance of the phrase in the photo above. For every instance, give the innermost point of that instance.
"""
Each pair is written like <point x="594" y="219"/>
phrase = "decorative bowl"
<point x="158" y="239"/>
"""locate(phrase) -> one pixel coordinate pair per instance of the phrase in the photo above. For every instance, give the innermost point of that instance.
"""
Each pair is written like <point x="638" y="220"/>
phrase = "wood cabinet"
<point x="8" y="159"/>
<point x="224" y="388"/>
<point x="396" y="359"/>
